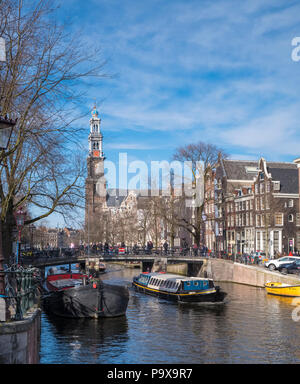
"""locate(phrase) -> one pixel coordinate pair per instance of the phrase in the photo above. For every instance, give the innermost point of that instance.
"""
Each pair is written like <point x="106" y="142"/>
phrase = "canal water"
<point x="252" y="327"/>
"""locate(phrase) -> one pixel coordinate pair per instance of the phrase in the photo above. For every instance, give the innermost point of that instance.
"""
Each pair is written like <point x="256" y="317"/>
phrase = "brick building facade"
<point x="257" y="205"/>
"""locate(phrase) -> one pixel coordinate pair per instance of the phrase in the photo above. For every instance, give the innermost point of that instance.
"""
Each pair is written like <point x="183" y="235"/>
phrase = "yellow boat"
<point x="282" y="289"/>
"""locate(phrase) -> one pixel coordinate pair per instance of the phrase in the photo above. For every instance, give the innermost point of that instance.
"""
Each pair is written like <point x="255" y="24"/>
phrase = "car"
<point x="276" y="263"/>
<point x="290" y="267"/>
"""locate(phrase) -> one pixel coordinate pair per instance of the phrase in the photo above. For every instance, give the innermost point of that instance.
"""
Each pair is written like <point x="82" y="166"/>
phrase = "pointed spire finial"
<point x="94" y="111"/>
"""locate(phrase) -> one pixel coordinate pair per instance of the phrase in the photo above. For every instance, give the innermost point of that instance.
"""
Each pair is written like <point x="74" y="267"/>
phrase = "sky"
<point x="184" y="71"/>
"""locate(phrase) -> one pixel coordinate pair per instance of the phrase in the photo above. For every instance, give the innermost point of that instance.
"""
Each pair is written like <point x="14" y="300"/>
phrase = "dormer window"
<point x="276" y="185"/>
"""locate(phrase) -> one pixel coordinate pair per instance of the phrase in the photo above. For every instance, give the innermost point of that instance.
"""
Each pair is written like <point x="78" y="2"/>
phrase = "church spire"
<point x="95" y="136"/>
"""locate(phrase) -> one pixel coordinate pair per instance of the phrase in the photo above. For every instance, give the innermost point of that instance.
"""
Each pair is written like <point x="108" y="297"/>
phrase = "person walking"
<point x="195" y="249"/>
<point x="106" y="248"/>
<point x="184" y="247"/>
<point x="165" y="247"/>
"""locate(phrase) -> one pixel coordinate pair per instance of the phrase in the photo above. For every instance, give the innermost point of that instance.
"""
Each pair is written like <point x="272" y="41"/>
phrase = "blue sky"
<point x="187" y="71"/>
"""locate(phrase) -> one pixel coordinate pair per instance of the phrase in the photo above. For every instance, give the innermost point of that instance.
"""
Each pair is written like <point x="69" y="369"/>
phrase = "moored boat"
<point x="282" y="289"/>
<point x="179" y="288"/>
<point x="74" y="295"/>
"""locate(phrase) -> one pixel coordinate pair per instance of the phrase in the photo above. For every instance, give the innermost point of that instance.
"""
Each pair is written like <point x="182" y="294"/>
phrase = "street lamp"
<point x="20" y="216"/>
<point x="6" y="128"/>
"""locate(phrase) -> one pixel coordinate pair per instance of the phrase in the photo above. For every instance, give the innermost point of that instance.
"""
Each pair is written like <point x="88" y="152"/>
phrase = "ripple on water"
<point x="252" y="327"/>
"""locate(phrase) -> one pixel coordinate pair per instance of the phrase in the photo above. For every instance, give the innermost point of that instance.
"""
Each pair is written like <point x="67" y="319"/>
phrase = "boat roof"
<point x="170" y="276"/>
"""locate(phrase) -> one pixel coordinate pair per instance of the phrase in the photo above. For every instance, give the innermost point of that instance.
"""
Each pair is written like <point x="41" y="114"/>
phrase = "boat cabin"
<point x="174" y="283"/>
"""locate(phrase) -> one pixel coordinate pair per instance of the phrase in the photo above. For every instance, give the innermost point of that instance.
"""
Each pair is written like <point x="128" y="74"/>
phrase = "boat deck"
<point x="62" y="283"/>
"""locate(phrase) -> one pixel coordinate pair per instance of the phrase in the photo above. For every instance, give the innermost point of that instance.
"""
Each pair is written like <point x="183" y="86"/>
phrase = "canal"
<point x="252" y="327"/>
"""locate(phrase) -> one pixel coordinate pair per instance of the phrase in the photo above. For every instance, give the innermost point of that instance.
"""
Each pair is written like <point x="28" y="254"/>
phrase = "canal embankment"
<point x="229" y="271"/>
<point x="20" y="340"/>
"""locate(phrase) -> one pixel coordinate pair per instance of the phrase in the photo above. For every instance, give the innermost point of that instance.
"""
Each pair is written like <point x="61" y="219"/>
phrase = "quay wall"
<point x="178" y="269"/>
<point x="20" y="340"/>
<point x="228" y="271"/>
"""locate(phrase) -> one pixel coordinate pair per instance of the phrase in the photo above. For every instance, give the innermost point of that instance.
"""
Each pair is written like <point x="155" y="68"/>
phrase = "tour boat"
<point x="102" y="267"/>
<point x="74" y="295"/>
<point x="178" y="288"/>
<point x="282" y="289"/>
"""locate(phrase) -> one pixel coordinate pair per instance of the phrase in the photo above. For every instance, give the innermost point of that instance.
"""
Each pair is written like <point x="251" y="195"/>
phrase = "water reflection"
<point x="252" y="327"/>
<point x="83" y="340"/>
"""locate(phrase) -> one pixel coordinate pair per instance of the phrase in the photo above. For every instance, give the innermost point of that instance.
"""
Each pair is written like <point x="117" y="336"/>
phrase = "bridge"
<point x="147" y="259"/>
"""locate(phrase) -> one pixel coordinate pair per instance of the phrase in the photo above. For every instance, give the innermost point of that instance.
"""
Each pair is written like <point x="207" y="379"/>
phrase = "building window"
<point x="257" y="204"/>
<point x="258" y="220"/>
<point x="298" y="220"/>
<point x="257" y="241"/>
<point x="291" y="203"/>
<point x="278" y="218"/>
<point x="267" y="186"/>
<point x="276" y="185"/>
<point x="262" y="204"/>
<point x="267" y="203"/>
<point x="263" y="241"/>
<point x="243" y="219"/>
<point x="256" y="189"/>
<point x="261" y="188"/>
<point x="276" y="241"/>
<point x="298" y="241"/>
<point x="291" y="218"/>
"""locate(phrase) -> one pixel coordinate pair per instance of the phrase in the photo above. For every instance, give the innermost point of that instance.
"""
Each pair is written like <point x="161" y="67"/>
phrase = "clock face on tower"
<point x="96" y="153"/>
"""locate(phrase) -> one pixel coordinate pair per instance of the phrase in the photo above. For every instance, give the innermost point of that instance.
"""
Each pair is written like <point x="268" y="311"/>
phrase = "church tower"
<point x="95" y="184"/>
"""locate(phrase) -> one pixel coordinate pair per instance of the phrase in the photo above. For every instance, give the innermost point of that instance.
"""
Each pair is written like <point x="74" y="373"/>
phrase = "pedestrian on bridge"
<point x="165" y="247"/>
<point x="195" y="249"/>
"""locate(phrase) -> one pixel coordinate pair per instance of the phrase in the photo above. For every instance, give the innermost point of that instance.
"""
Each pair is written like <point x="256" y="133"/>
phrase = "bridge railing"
<point x="73" y="253"/>
<point x="22" y="290"/>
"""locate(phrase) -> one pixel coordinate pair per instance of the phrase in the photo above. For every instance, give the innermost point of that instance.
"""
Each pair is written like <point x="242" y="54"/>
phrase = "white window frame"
<point x="278" y="225"/>
<point x="276" y="185"/>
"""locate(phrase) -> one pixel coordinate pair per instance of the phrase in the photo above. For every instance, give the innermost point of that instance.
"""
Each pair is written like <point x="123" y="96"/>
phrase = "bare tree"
<point x="39" y="85"/>
<point x="198" y="155"/>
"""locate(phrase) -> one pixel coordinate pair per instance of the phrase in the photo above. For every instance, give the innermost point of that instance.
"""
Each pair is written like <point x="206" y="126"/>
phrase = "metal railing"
<point x="21" y="290"/>
<point x="33" y="258"/>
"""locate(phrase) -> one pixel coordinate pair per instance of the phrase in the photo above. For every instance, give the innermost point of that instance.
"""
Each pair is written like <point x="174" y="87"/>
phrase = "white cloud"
<point x="275" y="132"/>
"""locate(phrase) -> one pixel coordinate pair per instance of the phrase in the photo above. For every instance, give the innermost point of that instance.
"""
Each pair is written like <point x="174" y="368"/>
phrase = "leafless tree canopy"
<point x="40" y="84"/>
<point x="208" y="155"/>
